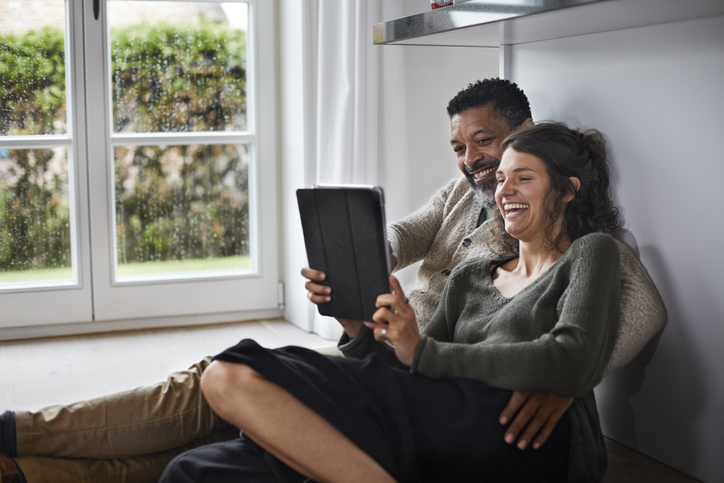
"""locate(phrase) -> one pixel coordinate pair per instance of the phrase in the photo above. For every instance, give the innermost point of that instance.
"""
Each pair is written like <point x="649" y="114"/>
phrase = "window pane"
<point x="181" y="209"/>
<point x="178" y="66"/>
<point x="34" y="215"/>
<point x="32" y="67"/>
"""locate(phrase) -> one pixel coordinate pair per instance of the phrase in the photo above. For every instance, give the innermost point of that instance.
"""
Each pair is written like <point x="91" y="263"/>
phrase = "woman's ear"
<point x="576" y="185"/>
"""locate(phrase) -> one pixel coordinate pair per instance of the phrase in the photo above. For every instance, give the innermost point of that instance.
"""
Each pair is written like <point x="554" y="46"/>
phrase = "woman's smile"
<point x="512" y="210"/>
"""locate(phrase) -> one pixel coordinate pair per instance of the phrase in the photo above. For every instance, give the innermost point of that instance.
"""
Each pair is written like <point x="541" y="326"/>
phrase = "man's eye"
<point x="484" y="140"/>
<point x="458" y="149"/>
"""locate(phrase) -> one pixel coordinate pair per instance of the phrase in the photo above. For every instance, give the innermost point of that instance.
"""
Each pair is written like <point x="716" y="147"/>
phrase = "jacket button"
<point x="467" y="242"/>
<point x="446" y="272"/>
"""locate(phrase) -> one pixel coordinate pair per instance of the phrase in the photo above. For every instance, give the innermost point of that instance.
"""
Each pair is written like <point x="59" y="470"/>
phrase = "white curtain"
<point x="347" y="92"/>
<point x="344" y="117"/>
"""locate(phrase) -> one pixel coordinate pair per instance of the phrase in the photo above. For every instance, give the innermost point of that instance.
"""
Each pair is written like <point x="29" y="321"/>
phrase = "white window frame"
<point x="178" y="301"/>
<point x="65" y="301"/>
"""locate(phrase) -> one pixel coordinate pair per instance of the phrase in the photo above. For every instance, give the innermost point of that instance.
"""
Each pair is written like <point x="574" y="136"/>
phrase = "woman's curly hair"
<point x="570" y="153"/>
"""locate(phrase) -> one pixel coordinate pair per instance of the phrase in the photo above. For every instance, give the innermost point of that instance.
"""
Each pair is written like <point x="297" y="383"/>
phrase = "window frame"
<point x="66" y="301"/>
<point x="156" y="302"/>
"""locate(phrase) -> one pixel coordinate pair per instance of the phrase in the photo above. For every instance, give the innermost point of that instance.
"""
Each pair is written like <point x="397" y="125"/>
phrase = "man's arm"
<point x="410" y="238"/>
<point x="643" y="313"/>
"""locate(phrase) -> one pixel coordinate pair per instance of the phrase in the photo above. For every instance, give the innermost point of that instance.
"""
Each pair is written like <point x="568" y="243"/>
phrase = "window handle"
<point x="96" y="8"/>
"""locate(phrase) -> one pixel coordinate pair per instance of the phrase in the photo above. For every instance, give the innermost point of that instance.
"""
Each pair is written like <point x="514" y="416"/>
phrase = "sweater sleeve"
<point x="642" y="311"/>
<point x="412" y="236"/>
<point x="365" y="344"/>
<point x="568" y="359"/>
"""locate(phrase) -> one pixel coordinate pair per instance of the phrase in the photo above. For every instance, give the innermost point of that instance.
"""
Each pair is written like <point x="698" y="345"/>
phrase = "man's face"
<point x="476" y="137"/>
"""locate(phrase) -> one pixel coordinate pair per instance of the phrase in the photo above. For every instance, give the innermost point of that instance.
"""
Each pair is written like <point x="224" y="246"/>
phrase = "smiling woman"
<point x="579" y="174"/>
<point x="523" y="196"/>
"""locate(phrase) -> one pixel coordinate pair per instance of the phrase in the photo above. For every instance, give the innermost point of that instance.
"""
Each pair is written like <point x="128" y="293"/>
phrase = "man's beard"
<point x="485" y="196"/>
<point x="484" y="193"/>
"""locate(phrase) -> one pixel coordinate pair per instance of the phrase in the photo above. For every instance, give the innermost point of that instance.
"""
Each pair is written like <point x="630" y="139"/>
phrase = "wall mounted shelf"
<point x="492" y="23"/>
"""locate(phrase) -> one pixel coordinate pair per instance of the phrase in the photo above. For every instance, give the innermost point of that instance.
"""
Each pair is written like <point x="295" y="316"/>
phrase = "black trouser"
<point x="239" y="460"/>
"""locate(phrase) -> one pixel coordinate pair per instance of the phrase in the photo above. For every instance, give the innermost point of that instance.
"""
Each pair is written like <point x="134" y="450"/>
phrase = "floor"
<point x="41" y="372"/>
<point x="628" y="466"/>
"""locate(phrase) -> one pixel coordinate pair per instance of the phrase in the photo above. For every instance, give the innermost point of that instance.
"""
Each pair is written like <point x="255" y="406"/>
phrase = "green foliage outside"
<point x="32" y="82"/>
<point x="171" y="77"/>
<point x="172" y="202"/>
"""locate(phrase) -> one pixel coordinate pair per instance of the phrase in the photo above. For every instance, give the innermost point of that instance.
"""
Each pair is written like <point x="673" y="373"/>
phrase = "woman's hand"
<point x="394" y="321"/>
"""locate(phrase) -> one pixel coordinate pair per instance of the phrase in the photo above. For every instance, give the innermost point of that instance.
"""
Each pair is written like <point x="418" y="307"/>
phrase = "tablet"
<point x="346" y="237"/>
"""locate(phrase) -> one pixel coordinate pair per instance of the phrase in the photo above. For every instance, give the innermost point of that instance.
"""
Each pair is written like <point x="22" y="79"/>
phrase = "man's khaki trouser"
<point x="126" y="437"/>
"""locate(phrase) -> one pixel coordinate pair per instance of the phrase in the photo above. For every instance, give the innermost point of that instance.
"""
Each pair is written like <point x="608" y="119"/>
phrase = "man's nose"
<point x="473" y="156"/>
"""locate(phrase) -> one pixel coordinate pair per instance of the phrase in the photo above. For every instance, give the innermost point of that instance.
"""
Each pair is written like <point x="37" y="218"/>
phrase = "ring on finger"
<point x="383" y="332"/>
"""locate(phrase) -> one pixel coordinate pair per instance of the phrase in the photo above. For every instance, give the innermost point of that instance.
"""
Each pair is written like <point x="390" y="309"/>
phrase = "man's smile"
<point x="482" y="174"/>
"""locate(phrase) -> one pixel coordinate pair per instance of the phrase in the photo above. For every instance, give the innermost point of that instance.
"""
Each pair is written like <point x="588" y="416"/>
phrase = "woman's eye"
<point x="501" y="180"/>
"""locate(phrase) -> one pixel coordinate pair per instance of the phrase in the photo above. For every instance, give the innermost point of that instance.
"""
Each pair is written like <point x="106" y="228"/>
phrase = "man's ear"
<point x="528" y="123"/>
<point x="576" y="185"/>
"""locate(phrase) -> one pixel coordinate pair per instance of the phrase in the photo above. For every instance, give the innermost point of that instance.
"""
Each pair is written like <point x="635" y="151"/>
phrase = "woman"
<point x="543" y="321"/>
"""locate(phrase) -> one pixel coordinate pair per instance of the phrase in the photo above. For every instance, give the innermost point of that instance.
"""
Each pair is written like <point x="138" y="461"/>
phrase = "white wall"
<point x="294" y="119"/>
<point x="417" y="126"/>
<point x="431" y="76"/>
<point x="656" y="92"/>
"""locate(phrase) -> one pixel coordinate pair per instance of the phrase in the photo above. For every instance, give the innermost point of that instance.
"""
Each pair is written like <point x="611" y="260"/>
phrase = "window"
<point x="132" y="183"/>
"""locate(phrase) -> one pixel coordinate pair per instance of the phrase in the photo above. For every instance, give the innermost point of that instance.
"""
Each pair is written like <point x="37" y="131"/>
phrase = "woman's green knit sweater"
<point x="556" y="335"/>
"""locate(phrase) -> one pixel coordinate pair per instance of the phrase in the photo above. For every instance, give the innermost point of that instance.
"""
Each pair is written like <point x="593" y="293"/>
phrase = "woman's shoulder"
<point x="599" y="246"/>
<point x="595" y="239"/>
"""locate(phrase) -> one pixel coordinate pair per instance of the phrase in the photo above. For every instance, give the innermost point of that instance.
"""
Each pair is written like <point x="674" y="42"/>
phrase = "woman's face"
<point x="524" y="195"/>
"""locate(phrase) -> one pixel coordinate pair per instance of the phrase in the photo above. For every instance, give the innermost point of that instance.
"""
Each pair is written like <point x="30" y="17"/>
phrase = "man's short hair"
<point x="507" y="99"/>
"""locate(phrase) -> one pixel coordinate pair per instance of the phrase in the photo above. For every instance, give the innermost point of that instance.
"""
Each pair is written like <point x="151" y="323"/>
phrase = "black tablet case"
<point x="345" y="236"/>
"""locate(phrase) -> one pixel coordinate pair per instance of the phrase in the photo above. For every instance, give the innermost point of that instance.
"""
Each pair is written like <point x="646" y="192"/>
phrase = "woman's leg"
<point x="285" y="427"/>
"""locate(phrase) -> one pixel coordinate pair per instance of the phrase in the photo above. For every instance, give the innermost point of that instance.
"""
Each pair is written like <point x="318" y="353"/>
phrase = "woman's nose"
<point x="505" y="188"/>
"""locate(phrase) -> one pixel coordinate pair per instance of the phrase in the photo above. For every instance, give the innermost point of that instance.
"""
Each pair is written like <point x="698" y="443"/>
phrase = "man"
<point x="461" y="222"/>
<point x="133" y="435"/>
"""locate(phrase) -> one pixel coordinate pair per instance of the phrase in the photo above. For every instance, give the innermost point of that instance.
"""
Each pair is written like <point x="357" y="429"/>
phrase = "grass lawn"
<point x="133" y="269"/>
<point x="173" y="266"/>
<point x="36" y="275"/>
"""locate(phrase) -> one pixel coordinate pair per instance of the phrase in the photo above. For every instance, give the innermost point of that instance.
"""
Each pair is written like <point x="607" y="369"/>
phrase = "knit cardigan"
<point x="444" y="233"/>
<point x="555" y="335"/>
